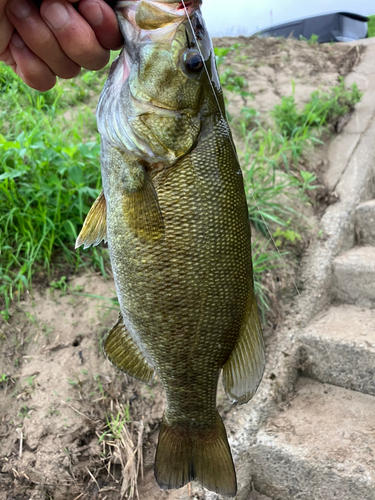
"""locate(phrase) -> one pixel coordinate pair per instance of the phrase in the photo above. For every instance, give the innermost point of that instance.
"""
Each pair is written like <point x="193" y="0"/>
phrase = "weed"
<point x="222" y="52"/>
<point x="270" y="157"/>
<point x="234" y="83"/>
<point x="265" y="151"/>
<point x="152" y="395"/>
<point x="228" y="79"/>
<point x="60" y="284"/>
<point x="307" y="181"/>
<point x="49" y="179"/>
<point x="117" y="441"/>
<point x="281" y="235"/>
<point x="371" y="26"/>
<point x="33" y="319"/>
<point x="100" y="387"/>
<point x="264" y="259"/>
<point x="77" y="289"/>
<point x="4" y="378"/>
<point x="313" y="40"/>
<point x="52" y="411"/>
<point x="74" y="382"/>
<point x="24" y="411"/>
<point x="47" y="495"/>
<point x="322" y="109"/>
<point x="116" y="424"/>
<point x="47" y="330"/>
<point x="30" y="380"/>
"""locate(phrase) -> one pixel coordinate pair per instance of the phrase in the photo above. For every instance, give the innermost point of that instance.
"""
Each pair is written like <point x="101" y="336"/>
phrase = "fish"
<point x="174" y="213"/>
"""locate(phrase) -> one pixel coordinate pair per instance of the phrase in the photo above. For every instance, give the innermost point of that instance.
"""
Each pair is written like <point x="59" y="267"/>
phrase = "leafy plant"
<point x="313" y="40"/>
<point x="115" y="424"/>
<point x="264" y="259"/>
<point x="281" y="235"/>
<point x="371" y="26"/>
<point x="234" y="83"/>
<point x="222" y="52"/>
<point x="30" y="380"/>
<point x="49" y="178"/>
<point x="322" y="109"/>
<point x="59" y="284"/>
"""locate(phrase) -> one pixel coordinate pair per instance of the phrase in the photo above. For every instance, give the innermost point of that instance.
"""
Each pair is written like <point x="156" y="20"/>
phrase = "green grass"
<point x="322" y="109"/>
<point x="50" y="173"/>
<point x="270" y="157"/>
<point x="371" y="26"/>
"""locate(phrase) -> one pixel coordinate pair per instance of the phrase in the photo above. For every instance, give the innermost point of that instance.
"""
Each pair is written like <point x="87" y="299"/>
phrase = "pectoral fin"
<point x="121" y="350"/>
<point x="94" y="228"/>
<point x="244" y="368"/>
<point x="142" y="211"/>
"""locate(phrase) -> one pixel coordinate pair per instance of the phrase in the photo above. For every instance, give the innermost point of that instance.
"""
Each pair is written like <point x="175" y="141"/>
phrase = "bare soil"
<point x="58" y="392"/>
<point x="275" y="67"/>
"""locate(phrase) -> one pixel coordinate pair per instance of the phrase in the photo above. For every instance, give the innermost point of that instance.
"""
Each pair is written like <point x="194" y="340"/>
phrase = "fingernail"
<point x="56" y="15"/>
<point x="17" y="41"/>
<point x="94" y="14"/>
<point x="20" y="8"/>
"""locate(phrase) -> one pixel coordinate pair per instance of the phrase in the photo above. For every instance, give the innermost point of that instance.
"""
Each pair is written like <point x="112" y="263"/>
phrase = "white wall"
<point x="244" y="17"/>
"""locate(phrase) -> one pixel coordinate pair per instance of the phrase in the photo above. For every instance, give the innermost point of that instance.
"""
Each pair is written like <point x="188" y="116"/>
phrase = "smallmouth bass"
<point x="173" y="210"/>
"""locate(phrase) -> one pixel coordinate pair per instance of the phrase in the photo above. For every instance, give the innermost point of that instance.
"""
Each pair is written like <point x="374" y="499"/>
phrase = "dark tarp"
<point x="337" y="27"/>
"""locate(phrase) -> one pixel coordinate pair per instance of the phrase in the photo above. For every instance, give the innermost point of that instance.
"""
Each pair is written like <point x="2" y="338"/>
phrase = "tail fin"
<point x="187" y="454"/>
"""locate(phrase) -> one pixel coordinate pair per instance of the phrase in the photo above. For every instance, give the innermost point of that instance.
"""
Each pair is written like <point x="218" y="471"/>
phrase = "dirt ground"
<point x="273" y="66"/>
<point x="71" y="425"/>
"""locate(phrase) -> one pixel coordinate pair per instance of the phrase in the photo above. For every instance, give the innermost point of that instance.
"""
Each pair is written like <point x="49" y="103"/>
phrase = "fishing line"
<point x="232" y="143"/>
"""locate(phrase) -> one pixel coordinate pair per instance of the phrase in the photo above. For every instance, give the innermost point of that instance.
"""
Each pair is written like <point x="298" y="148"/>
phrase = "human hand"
<point x="56" y="40"/>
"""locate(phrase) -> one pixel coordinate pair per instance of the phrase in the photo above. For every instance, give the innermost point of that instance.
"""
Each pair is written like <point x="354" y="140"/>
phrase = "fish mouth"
<point x="152" y="20"/>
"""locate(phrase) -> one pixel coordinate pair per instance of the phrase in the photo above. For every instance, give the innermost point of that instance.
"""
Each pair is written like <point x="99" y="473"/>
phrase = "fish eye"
<point x="193" y="61"/>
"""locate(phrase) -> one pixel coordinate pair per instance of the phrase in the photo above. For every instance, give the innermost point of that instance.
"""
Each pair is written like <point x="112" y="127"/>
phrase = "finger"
<point x="6" y="28"/>
<point x="74" y="34"/>
<point x="103" y="21"/>
<point x="39" y="38"/>
<point x="33" y="71"/>
<point x="7" y="57"/>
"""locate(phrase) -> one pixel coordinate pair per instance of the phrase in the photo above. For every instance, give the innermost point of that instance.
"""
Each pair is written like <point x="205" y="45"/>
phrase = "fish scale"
<point x="178" y="232"/>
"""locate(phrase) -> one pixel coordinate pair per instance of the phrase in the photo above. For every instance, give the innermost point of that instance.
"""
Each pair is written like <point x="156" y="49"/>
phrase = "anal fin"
<point x="244" y="368"/>
<point x="94" y="228"/>
<point x="121" y="350"/>
<point x="142" y="211"/>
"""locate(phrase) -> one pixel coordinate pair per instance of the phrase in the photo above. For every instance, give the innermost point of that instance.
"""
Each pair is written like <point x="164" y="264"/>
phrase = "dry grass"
<point x="122" y="443"/>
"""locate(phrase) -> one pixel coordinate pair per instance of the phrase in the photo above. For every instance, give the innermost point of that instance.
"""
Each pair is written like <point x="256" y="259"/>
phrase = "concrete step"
<point x="321" y="446"/>
<point x="365" y="222"/>
<point x="354" y="276"/>
<point x="339" y="348"/>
